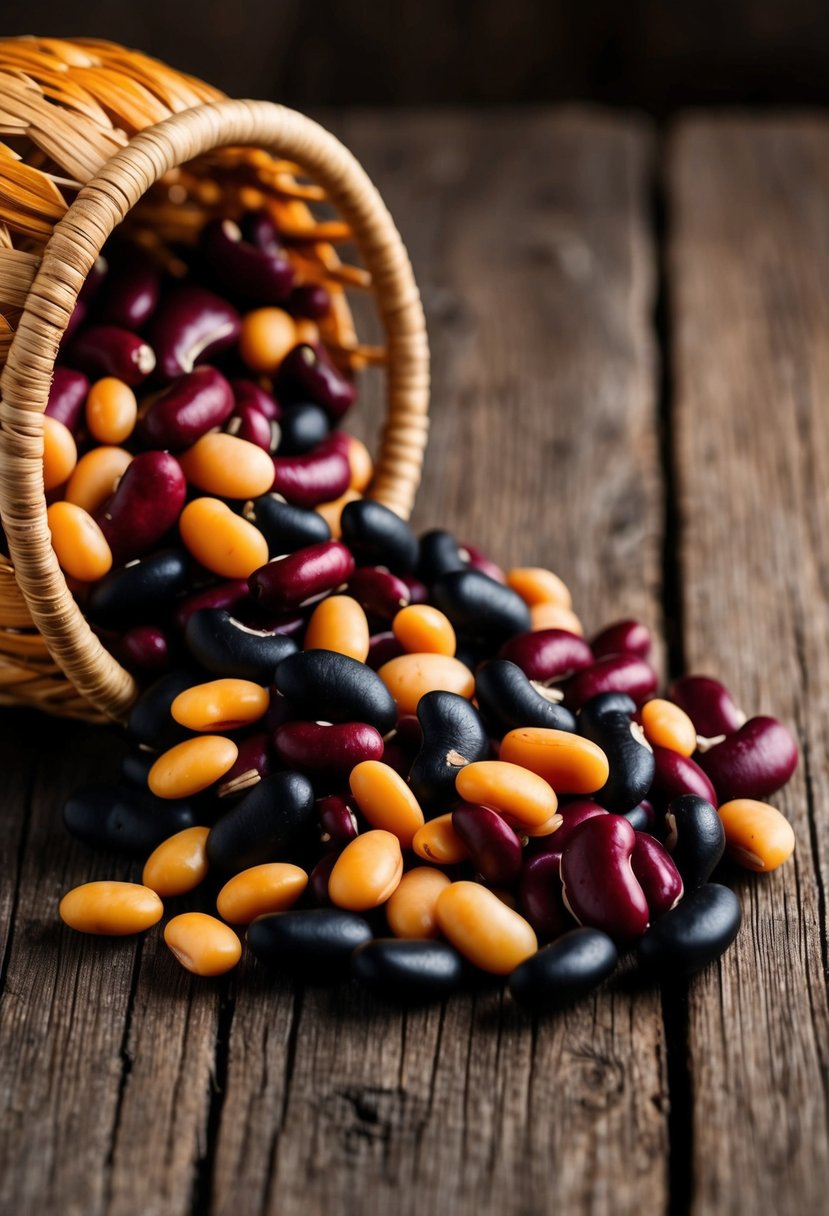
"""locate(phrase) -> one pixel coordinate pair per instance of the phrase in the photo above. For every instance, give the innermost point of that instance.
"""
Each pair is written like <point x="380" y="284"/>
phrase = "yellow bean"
<point x="484" y="929"/>
<point x="272" y="887"/>
<point x="508" y="788"/>
<point x="191" y="766"/>
<point x="757" y="835"/>
<point x="666" y="725"/>
<point x="386" y="800"/>
<point x="267" y="335"/>
<point x="114" y="909"/>
<point x="360" y="463"/>
<point x="421" y="629"/>
<point x="411" y="676"/>
<point x="367" y="872"/>
<point x="332" y="511"/>
<point x="570" y="764"/>
<point x="202" y="943"/>
<point x="178" y="864"/>
<point x="339" y="623"/>
<point x="111" y="410"/>
<point x="224" y="543"/>
<point x="536" y="585"/>
<point x="221" y="705"/>
<point x="554" y="616"/>
<point x="60" y="453"/>
<point x="411" y="909"/>
<point x="227" y="466"/>
<point x="438" y="841"/>
<point x="80" y="546"/>
<point x="95" y="477"/>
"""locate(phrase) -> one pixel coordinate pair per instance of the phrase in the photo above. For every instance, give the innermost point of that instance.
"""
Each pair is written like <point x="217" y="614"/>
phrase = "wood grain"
<point x="748" y="272"/>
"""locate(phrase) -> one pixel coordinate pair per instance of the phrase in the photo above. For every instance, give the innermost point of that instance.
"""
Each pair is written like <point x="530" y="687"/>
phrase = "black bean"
<point x="693" y="934"/>
<point x="270" y="818"/>
<point x="135" y="767"/>
<point x="124" y="818"/>
<point x="509" y="700"/>
<point x="408" y="971"/>
<point x="226" y="647"/>
<point x="565" y="971"/>
<point x="284" y="526"/>
<point x="606" y="721"/>
<point x="150" y="721"/>
<point x="453" y="736"/>
<point x="302" y="426"/>
<point x="139" y="592"/>
<point x="317" y="943"/>
<point x="695" y="838"/>
<point x="325" y="685"/>
<point x="638" y="818"/>
<point x="479" y="607"/>
<point x="439" y="554"/>
<point x="378" y="537"/>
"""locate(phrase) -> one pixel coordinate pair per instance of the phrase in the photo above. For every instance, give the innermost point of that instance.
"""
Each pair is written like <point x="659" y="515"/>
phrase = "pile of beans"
<point x="381" y="754"/>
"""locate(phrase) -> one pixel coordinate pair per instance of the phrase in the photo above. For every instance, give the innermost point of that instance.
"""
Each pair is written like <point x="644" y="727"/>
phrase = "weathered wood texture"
<point x="748" y="272"/>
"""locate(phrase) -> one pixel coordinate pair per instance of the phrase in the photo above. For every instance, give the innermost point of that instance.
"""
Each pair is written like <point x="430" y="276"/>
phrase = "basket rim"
<point x="77" y="239"/>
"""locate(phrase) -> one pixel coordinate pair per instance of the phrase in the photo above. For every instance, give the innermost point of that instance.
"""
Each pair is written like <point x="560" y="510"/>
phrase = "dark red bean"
<point x="310" y="300"/>
<point x="318" y="880"/>
<point x="189" y="326"/>
<point x="321" y="476"/>
<point x="146" y="648"/>
<point x="708" y="704"/>
<point x="106" y="350"/>
<point x="259" y="228"/>
<point x="548" y="655"/>
<point x="623" y="637"/>
<point x="572" y="813"/>
<point x="494" y="848"/>
<point x="145" y="506"/>
<point x="77" y="318"/>
<point x="418" y="591"/>
<point x="378" y="591"/>
<point x="382" y="647"/>
<point x="262" y="275"/>
<point x="229" y="595"/>
<point x="193" y="404"/>
<point x="338" y="823"/>
<point x="94" y="280"/>
<point x="657" y="875"/>
<point x="615" y="673"/>
<point x="476" y="559"/>
<point x="540" y="896"/>
<point x="131" y="292"/>
<point x="286" y="582"/>
<point x="250" y="424"/>
<point x="307" y="374"/>
<point x="755" y="761"/>
<point x="253" y="762"/>
<point x="328" y="750"/>
<point x="676" y="775"/>
<point x="67" y="396"/>
<point x="599" y="886"/>
<point x="249" y="393"/>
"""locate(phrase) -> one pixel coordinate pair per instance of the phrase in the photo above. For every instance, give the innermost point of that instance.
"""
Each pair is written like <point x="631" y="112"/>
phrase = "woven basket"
<point x="94" y="133"/>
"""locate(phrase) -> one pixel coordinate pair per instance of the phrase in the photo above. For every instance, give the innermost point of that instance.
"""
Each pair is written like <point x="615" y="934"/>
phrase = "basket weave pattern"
<point x="92" y="132"/>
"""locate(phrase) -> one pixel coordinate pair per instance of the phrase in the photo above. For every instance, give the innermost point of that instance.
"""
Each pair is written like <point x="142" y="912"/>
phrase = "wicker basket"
<point x="92" y="131"/>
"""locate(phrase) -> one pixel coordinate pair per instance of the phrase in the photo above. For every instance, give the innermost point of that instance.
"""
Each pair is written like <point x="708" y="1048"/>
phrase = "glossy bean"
<point x="385" y="800"/>
<point x="475" y="559"/>
<point x="379" y="591"/>
<point x="286" y="582"/>
<point x="259" y="891"/>
<point x="226" y="647"/>
<point x="319" y="477"/>
<point x="263" y="275"/>
<point x="310" y="300"/>
<point x="410" y="911"/>
<point x="227" y="467"/>
<point x="453" y="736"/>
<point x="318" y="880"/>
<point x="509" y="700"/>
<point x="60" y="453"/>
<point x="479" y="607"/>
<point x="570" y="763"/>
<point x="79" y="544"/>
<point x="539" y="896"/>
<point x="379" y="537"/>
<point x="286" y="528"/>
<point x="192" y="405"/>
<point x="484" y="930"/>
<point x="150" y="722"/>
<point x="191" y="766"/>
<point x="265" y="338"/>
<point x="757" y="836"/>
<point x="317" y="942"/>
<point x="144" y="507"/>
<point x="640" y="818"/>
<point x="675" y="774"/>
<point x="307" y="374"/>
<point x="189" y="326"/>
<point x="67" y="395"/>
<point x="339" y="623"/>
<point x="124" y="819"/>
<point x="408" y="972"/>
<point x="131" y="291"/>
<point x="367" y="872"/>
<point x="382" y="648"/>
<point x="138" y="591"/>
<point x="96" y="476"/>
<point x="252" y="763"/>
<point x="111" y="410"/>
<point x="250" y="394"/>
<point x="327" y="750"/>
<point x="249" y="424"/>
<point x="221" y="541"/>
<point x="708" y="704"/>
<point x="107" y="350"/>
<point x="623" y="637"/>
<point x="695" y="933"/>
<point x="607" y="720"/>
<point x="753" y="762"/>
<point x="419" y="628"/>
<point x="600" y="889"/>
<point x="508" y="788"/>
<point x="302" y="427"/>
<point x="412" y="676"/>
<point x="666" y="725"/>
<point x="438" y="842"/>
<point x="202" y="944"/>
<point x="537" y="585"/>
<point x="220" y="705"/>
<point x="337" y="821"/>
<point x="112" y="909"/>
<point x="572" y="814"/>
<point x="625" y="673"/>
<point x="439" y="554"/>
<point x="145" y="649"/>
<point x="178" y="864"/>
<point x="554" y="616"/>
<point x="270" y="817"/>
<point x="657" y="875"/>
<point x="695" y="838"/>
<point x="548" y="655"/>
<point x="564" y="972"/>
<point x="346" y="689"/>
<point x="494" y="848"/>
<point x="360" y="463"/>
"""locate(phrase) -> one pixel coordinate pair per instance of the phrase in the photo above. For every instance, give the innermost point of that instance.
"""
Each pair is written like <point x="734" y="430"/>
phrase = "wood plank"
<point x="530" y="239"/>
<point x="749" y="267"/>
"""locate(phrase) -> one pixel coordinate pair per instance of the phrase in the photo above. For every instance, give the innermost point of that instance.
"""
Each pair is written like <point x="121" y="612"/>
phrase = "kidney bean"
<point x="259" y="228"/>
<point x="675" y="774"/>
<point x="227" y="467"/>
<point x="339" y="623"/>
<point x="382" y="647"/>
<point x="708" y="704"/>
<point x="178" y="864"/>
<point x="695" y="838"/>
<point x="131" y="292"/>
<point x="78" y="542"/>
<point x="191" y="766"/>
<point x="189" y="326"/>
<point x="623" y="637"/>
<point x="348" y="690"/>
<point x="539" y="895"/>
<point x="666" y="725"/>
<point x="564" y="972"/>
<point x="77" y="318"/>
<point x="615" y="673"/>
<point x="150" y="722"/>
<point x="248" y="424"/>
<point x="319" y="878"/>
<point x="317" y="942"/>
<point x="310" y="300"/>
<point x="695" y="933"/>
<point x="509" y="700"/>
<point x="303" y="426"/>
<point x="94" y="280"/>
<point x="657" y="875"/>
<point x="421" y="629"/>
<point x="367" y="872"/>
<point x="338" y="823"/>
<point x="410" y="911"/>
<point x="146" y="649"/>
<point x="266" y="337"/>
<point x="229" y="595"/>
<point x="220" y="540"/>
<point x="408" y="972"/>
<point x="360" y="463"/>
<point x="752" y="762"/>
<point x="572" y="814"/>
<point x="479" y="607"/>
<point x="249" y="395"/>
<point x="378" y="591"/>
<point x="547" y="656"/>
<point x="95" y="477"/>
<point x="226" y="647"/>
<point x="60" y="453"/>
<point x="135" y="768"/>
<point x="112" y="909"/>
<point x="475" y="559"/>
<point x="536" y="585"/>
<point x="261" y="891"/>
<point x="438" y="842"/>
<point x="286" y="582"/>
<point x="252" y="763"/>
<point x="191" y="406"/>
<point x="106" y="350"/>
<point x="146" y="504"/>
<point x="599" y="885"/>
<point x="140" y="590"/>
<point x="411" y="676"/>
<point x="220" y="705"/>
<point x="439" y="554"/>
<point x="385" y="800"/>
<point x="307" y="374"/>
<point x="553" y="616"/>
<point x="327" y="750"/>
<point x="639" y="818"/>
<point x="453" y="736"/>
<point x="319" y="477"/>
<point x="570" y="763"/>
<point x="202" y="944"/>
<point x="607" y="721"/>
<point x="484" y="930"/>
<point x="494" y="848"/>
<point x="261" y="826"/>
<point x="379" y="537"/>
<point x="262" y="275"/>
<point x="757" y="836"/>
<point x="509" y="788"/>
<point x="123" y="819"/>
<point x="67" y="395"/>
<point x="286" y="527"/>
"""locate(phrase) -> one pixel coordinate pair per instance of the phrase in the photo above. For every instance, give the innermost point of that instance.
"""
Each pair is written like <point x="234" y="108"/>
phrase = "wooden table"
<point x="631" y="357"/>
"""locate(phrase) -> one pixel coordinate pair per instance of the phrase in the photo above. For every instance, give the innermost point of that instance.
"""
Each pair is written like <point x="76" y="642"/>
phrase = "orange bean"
<point x="508" y="788"/>
<point x="536" y="585"/>
<point x="95" y="477"/>
<point x="360" y="463"/>
<point x="570" y="764"/>
<point x="666" y="725"/>
<point x="272" y="887"/>
<point x="178" y="864"/>
<point x="421" y="629"/>
<point x="111" y="410"/>
<point x="411" y="909"/>
<point x="483" y="929"/>
<point x="114" y="909"/>
<point x="332" y="511"/>
<point x="80" y="546"/>
<point x="541" y="829"/>
<point x="411" y="676"/>
<point x="202" y="943"/>
<point x="757" y="835"/>
<point x="438" y="841"/>
<point x="60" y="453"/>
<point x="386" y="800"/>
<point x="222" y="542"/>
<point x="267" y="335"/>
<point x="221" y="705"/>
<point x="307" y="331"/>
<point x="191" y="766"/>
<point x="554" y="616"/>
<point x="339" y="623"/>
<point x="227" y="466"/>
<point x="367" y="872"/>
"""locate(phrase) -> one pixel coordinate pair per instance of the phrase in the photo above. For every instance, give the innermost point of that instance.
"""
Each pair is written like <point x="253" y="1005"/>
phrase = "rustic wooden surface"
<point x="641" y="407"/>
